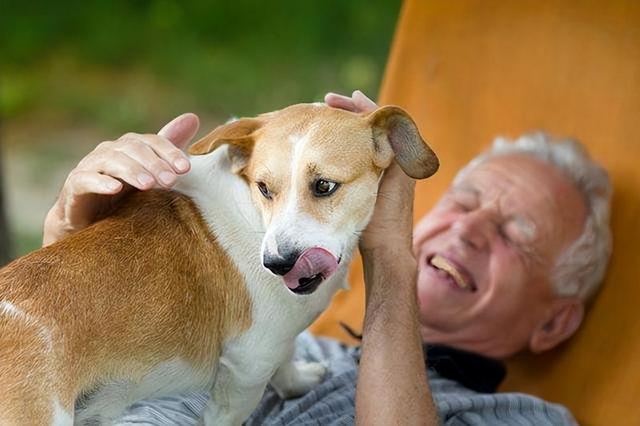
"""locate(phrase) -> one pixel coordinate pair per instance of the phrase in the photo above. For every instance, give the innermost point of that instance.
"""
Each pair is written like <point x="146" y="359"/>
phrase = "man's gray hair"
<point x="580" y="269"/>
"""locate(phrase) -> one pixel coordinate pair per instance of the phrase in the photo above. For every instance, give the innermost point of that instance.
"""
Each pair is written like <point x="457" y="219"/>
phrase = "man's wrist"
<point x="389" y="259"/>
<point x="390" y="276"/>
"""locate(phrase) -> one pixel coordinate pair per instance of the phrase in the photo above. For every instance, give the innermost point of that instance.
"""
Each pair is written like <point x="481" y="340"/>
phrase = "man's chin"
<point x="441" y="314"/>
<point x="432" y="297"/>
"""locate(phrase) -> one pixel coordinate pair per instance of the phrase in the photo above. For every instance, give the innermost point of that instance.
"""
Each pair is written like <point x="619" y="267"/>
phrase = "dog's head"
<point x="314" y="172"/>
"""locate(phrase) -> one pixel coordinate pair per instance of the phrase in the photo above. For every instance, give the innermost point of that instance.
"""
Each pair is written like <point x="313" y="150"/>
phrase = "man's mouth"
<point x="456" y="274"/>
<point x="312" y="267"/>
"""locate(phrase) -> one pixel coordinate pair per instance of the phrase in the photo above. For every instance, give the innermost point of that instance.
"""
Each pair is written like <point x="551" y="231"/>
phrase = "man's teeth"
<point x="443" y="264"/>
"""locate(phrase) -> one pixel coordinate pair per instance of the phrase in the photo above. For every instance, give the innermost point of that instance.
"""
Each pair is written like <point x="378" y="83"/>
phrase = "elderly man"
<point x="505" y="262"/>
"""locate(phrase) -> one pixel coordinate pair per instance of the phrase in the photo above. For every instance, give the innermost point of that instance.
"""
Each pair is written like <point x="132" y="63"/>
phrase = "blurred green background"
<point x="76" y="73"/>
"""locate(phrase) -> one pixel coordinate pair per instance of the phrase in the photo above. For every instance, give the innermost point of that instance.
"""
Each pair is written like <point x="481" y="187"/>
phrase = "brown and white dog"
<point x="204" y="287"/>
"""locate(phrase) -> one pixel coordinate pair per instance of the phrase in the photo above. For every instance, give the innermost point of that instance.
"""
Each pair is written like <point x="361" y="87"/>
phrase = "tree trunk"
<point x="5" y="252"/>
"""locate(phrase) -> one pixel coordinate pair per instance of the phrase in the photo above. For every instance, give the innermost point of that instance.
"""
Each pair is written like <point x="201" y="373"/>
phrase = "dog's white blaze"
<point x="289" y="211"/>
<point x="299" y="145"/>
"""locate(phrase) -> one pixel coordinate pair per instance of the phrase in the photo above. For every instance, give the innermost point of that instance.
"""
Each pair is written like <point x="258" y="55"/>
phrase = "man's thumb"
<point x="181" y="129"/>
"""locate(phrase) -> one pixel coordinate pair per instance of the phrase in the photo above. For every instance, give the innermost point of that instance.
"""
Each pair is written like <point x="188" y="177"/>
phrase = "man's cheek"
<point x="430" y="237"/>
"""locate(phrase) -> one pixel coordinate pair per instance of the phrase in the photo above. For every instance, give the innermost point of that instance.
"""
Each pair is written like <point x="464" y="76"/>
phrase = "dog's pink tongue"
<point x="311" y="262"/>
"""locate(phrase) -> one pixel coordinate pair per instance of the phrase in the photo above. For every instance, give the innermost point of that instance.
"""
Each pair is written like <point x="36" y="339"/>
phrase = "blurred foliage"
<point x="120" y="63"/>
<point x="74" y="73"/>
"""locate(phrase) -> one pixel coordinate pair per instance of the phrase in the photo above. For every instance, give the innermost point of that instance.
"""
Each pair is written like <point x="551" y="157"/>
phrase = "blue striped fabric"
<point x="332" y="402"/>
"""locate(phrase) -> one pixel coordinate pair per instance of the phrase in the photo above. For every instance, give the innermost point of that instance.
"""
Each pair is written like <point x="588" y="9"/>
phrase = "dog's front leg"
<point x="233" y="397"/>
<point x="295" y="378"/>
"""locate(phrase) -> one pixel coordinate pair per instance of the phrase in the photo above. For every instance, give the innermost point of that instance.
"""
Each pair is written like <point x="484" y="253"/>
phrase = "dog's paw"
<point x="311" y="373"/>
<point x="298" y="378"/>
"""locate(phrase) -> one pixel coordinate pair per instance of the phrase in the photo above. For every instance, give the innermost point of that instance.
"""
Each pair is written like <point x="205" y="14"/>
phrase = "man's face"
<point x="486" y="250"/>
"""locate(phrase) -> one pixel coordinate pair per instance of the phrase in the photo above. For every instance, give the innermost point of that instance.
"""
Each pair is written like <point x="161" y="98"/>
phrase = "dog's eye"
<point x="324" y="188"/>
<point x="264" y="190"/>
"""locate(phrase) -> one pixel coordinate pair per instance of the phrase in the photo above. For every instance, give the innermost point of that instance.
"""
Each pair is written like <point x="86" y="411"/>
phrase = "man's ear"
<point x="396" y="134"/>
<point x="238" y="134"/>
<point x="563" y="320"/>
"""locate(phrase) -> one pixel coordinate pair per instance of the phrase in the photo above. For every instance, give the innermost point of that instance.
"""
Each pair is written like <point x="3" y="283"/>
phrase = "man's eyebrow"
<point x="466" y="188"/>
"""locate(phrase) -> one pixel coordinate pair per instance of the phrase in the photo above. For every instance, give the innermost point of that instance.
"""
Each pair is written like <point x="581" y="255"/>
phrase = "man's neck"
<point x="473" y="371"/>
<point x="457" y="340"/>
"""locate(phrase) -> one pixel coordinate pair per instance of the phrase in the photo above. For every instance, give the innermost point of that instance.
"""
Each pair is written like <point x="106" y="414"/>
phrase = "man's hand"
<point x="391" y="226"/>
<point x="115" y="168"/>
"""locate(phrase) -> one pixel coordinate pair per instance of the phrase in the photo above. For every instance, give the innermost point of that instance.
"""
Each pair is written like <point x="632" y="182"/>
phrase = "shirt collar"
<point x="474" y="371"/>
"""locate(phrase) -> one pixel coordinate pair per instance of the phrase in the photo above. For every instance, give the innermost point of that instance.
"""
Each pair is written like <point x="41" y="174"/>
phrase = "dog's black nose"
<point x="279" y="265"/>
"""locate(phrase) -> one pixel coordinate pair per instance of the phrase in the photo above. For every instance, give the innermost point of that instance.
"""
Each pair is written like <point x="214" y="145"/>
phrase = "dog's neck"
<point x="225" y="203"/>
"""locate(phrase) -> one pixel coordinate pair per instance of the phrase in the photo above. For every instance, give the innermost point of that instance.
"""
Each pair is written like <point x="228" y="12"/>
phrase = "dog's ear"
<point x="238" y="134"/>
<point x="396" y="134"/>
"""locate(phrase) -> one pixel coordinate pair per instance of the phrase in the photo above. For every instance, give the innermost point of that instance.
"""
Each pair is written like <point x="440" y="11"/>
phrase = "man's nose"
<point x="474" y="228"/>
<point x="279" y="265"/>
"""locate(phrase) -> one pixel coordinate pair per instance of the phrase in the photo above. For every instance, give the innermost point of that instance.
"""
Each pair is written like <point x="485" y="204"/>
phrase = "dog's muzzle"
<point x="304" y="273"/>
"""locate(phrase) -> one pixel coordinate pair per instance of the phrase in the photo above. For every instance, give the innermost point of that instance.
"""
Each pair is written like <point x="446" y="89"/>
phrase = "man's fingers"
<point x="79" y="200"/>
<point x="85" y="182"/>
<point x="358" y="102"/>
<point x="150" y="159"/>
<point x="114" y="168"/>
<point x="119" y="165"/>
<point x="340" y="101"/>
<point x="362" y="102"/>
<point x="181" y="129"/>
<point x="154" y="152"/>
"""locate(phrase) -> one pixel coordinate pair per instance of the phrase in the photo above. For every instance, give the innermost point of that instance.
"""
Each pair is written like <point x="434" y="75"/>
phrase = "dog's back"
<point x="112" y="303"/>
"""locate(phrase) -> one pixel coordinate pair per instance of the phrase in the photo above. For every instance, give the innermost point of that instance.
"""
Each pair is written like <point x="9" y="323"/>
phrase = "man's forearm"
<point x="392" y="383"/>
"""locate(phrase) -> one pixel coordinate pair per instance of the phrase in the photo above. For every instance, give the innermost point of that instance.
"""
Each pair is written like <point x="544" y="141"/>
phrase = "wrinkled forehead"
<point x="522" y="184"/>
<point x="314" y="135"/>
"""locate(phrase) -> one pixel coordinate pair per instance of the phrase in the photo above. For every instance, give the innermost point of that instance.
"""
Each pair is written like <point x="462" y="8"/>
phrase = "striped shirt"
<point x="332" y="402"/>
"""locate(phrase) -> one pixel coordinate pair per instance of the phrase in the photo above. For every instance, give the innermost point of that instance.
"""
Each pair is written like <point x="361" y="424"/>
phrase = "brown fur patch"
<point x="146" y="285"/>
